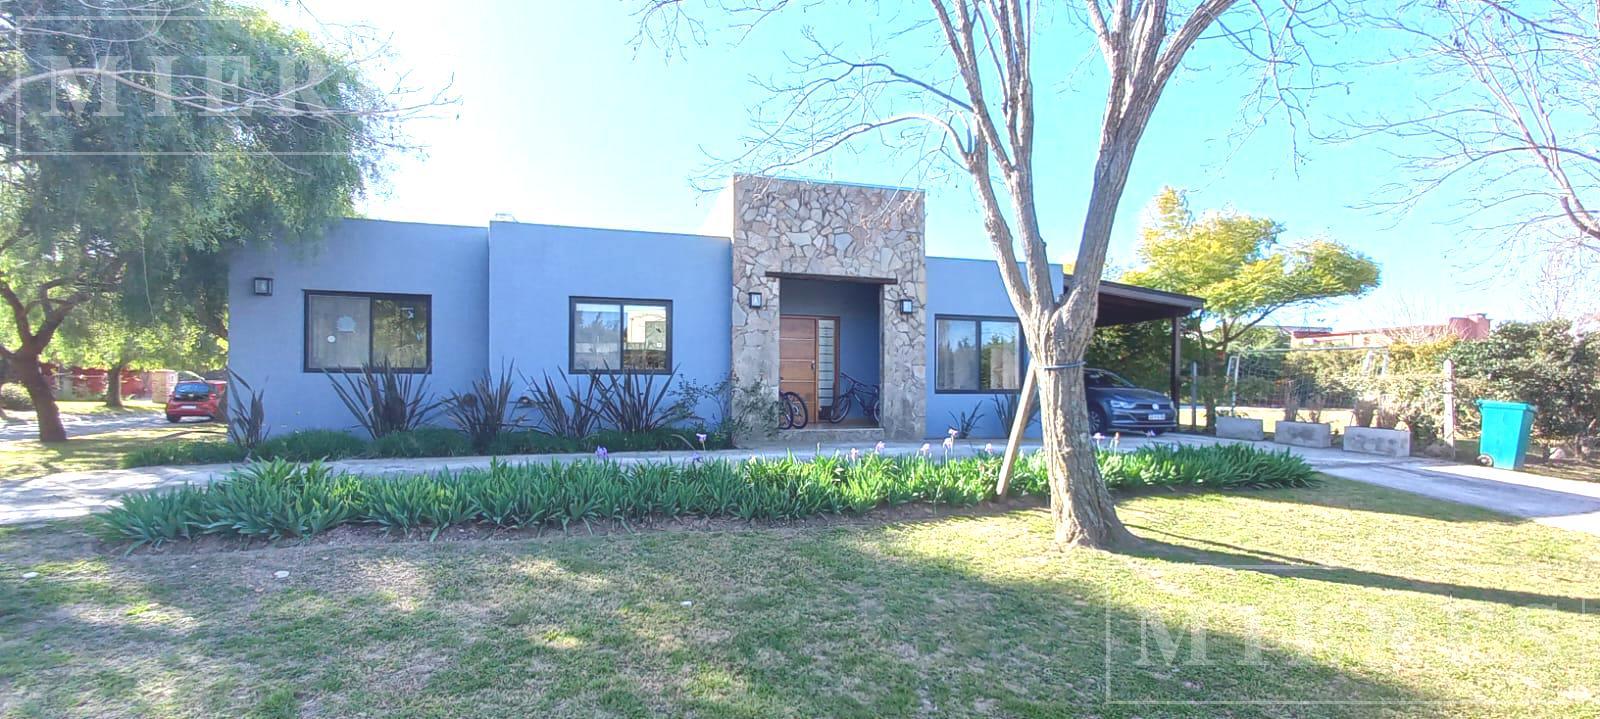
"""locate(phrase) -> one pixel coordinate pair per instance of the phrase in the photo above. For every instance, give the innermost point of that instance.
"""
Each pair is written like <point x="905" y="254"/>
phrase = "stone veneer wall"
<point x="833" y="231"/>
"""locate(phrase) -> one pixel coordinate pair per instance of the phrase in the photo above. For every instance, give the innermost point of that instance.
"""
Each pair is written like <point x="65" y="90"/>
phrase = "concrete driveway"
<point x="1559" y="503"/>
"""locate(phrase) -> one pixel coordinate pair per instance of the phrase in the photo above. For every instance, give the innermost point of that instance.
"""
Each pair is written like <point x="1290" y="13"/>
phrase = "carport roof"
<point x="1123" y="304"/>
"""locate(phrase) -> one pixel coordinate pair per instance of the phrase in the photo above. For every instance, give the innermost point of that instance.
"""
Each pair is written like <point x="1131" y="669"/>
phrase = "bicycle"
<point x="795" y="414"/>
<point x="855" y="393"/>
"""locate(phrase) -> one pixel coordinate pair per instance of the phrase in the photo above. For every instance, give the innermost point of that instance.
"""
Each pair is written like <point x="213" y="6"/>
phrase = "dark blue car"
<point x="1117" y="405"/>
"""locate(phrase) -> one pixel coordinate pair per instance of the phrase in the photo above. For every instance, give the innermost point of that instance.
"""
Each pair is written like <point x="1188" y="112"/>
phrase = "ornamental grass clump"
<point x="279" y="499"/>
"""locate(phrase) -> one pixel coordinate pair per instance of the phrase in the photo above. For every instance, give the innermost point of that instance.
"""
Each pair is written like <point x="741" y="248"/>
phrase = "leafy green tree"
<point x="1543" y="364"/>
<point x="119" y="338"/>
<point x="149" y="138"/>
<point x="1239" y="266"/>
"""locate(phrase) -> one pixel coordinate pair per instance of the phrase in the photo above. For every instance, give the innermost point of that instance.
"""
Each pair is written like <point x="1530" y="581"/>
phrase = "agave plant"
<point x="384" y="400"/>
<point x="566" y="412"/>
<point x="247" y="416"/>
<point x="631" y="402"/>
<point x="481" y="411"/>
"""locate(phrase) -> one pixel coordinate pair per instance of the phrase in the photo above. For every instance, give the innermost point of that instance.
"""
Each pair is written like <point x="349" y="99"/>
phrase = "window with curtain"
<point x="347" y="330"/>
<point x="615" y="335"/>
<point x="974" y="354"/>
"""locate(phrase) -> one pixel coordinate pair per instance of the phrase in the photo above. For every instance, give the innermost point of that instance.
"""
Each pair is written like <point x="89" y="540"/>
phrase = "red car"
<point x="208" y="399"/>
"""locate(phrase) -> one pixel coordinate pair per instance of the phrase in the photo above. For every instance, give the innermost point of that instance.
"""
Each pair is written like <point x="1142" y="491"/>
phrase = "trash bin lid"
<point x="1497" y="404"/>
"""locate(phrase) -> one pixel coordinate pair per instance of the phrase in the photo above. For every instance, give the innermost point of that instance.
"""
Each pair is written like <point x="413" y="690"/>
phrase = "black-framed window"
<point x="610" y="335"/>
<point x="345" y="330"/>
<point x="977" y="354"/>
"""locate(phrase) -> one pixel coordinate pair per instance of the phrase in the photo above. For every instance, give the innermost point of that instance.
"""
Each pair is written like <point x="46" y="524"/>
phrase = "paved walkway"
<point x="1557" y="502"/>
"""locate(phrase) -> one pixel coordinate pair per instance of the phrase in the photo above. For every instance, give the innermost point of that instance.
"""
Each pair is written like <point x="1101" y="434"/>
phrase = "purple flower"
<point x="926" y="448"/>
<point x="702" y="437"/>
<point x="878" y="448"/>
<point x="1150" y="433"/>
<point x="1098" y="436"/>
<point x="855" y="454"/>
<point x="988" y="448"/>
<point x="949" y="443"/>
<point x="601" y="453"/>
<point x="695" y="457"/>
<point x="954" y="433"/>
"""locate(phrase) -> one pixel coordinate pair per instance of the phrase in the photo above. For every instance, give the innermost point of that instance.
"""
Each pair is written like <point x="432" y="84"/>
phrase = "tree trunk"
<point x="31" y="374"/>
<point x="1080" y="504"/>
<point x="114" y="386"/>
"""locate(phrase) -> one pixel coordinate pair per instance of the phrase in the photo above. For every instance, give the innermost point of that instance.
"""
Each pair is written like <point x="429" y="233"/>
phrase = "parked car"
<point x="1117" y="405"/>
<point x="198" y="398"/>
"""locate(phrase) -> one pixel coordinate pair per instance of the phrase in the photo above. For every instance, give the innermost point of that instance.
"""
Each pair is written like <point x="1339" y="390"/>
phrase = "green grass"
<point x="26" y="458"/>
<point x="1327" y="596"/>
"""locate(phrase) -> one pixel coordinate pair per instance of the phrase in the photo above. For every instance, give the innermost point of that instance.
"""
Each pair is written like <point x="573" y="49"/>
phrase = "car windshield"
<point x="1102" y="378"/>
<point x="192" y="388"/>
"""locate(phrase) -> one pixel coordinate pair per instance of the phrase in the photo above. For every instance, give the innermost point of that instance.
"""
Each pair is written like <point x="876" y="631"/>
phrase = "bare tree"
<point x="1507" y="118"/>
<point x="975" y="92"/>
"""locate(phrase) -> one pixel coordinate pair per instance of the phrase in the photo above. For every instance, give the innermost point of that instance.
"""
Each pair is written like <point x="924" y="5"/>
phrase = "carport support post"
<point x="1177" y="358"/>
<point x="1019" y="427"/>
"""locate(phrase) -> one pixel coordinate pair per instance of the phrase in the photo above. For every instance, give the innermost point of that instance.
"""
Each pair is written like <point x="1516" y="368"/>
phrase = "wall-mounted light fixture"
<point x="755" y="301"/>
<point x="907" y="306"/>
<point x="262" y="286"/>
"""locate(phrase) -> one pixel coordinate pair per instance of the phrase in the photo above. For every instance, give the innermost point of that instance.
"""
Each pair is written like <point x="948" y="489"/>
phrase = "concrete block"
<point x="1303" y="434"/>
<point x="1368" y="440"/>
<point x="1240" y="428"/>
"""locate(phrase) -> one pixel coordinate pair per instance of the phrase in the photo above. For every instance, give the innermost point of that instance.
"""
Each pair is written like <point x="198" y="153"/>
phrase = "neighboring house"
<point x="1471" y="327"/>
<point x="811" y="282"/>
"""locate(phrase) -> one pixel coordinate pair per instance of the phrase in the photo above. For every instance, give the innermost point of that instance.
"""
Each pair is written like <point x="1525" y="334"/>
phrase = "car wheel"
<point x="1097" y="421"/>
<point x="173" y="418"/>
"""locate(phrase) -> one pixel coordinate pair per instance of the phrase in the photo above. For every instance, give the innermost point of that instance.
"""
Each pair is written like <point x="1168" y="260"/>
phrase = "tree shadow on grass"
<point x="1362" y="497"/>
<point x="843" y="622"/>
<point x="1219" y="554"/>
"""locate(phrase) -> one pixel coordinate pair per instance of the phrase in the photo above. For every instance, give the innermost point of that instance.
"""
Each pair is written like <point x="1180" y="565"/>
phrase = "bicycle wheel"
<point x="795" y="415"/>
<point x="871" y="410"/>
<point x="840" y="408"/>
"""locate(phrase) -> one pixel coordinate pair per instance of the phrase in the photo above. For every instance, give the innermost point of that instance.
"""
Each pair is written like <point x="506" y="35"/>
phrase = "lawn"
<point x="1344" y="600"/>
<point x="25" y="458"/>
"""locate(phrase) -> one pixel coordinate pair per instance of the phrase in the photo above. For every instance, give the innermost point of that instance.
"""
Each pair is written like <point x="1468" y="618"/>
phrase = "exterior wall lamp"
<point x="756" y="302"/>
<point x="262" y="286"/>
<point x="907" y="306"/>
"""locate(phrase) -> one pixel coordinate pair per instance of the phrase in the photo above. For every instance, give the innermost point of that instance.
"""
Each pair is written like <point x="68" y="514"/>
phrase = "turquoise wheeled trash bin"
<point x="1507" y="429"/>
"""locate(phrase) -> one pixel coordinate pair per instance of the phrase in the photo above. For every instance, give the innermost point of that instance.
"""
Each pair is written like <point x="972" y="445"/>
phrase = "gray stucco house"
<point x="811" y="283"/>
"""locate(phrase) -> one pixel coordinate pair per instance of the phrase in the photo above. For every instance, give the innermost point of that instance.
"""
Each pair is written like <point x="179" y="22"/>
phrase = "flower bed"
<point x="274" y="500"/>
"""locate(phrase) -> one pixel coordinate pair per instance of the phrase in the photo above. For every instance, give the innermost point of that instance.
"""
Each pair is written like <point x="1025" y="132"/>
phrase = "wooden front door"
<point x="797" y="359"/>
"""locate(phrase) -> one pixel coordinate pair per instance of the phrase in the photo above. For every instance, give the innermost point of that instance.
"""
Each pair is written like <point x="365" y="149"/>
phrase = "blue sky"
<point x="561" y="120"/>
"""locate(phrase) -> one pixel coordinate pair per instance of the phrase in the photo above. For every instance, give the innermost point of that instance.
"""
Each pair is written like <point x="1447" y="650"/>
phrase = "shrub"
<point x="658" y="440"/>
<point x="566" y="412"/>
<point x="750" y="411"/>
<point x="384" y="399"/>
<point x="15" y="397"/>
<point x="272" y="500"/>
<point x="533" y="443"/>
<point x="1223" y="466"/>
<point x="423" y="442"/>
<point x="481" y="412"/>
<point x="1543" y="364"/>
<point x="174" y="452"/>
<point x="312" y="444"/>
